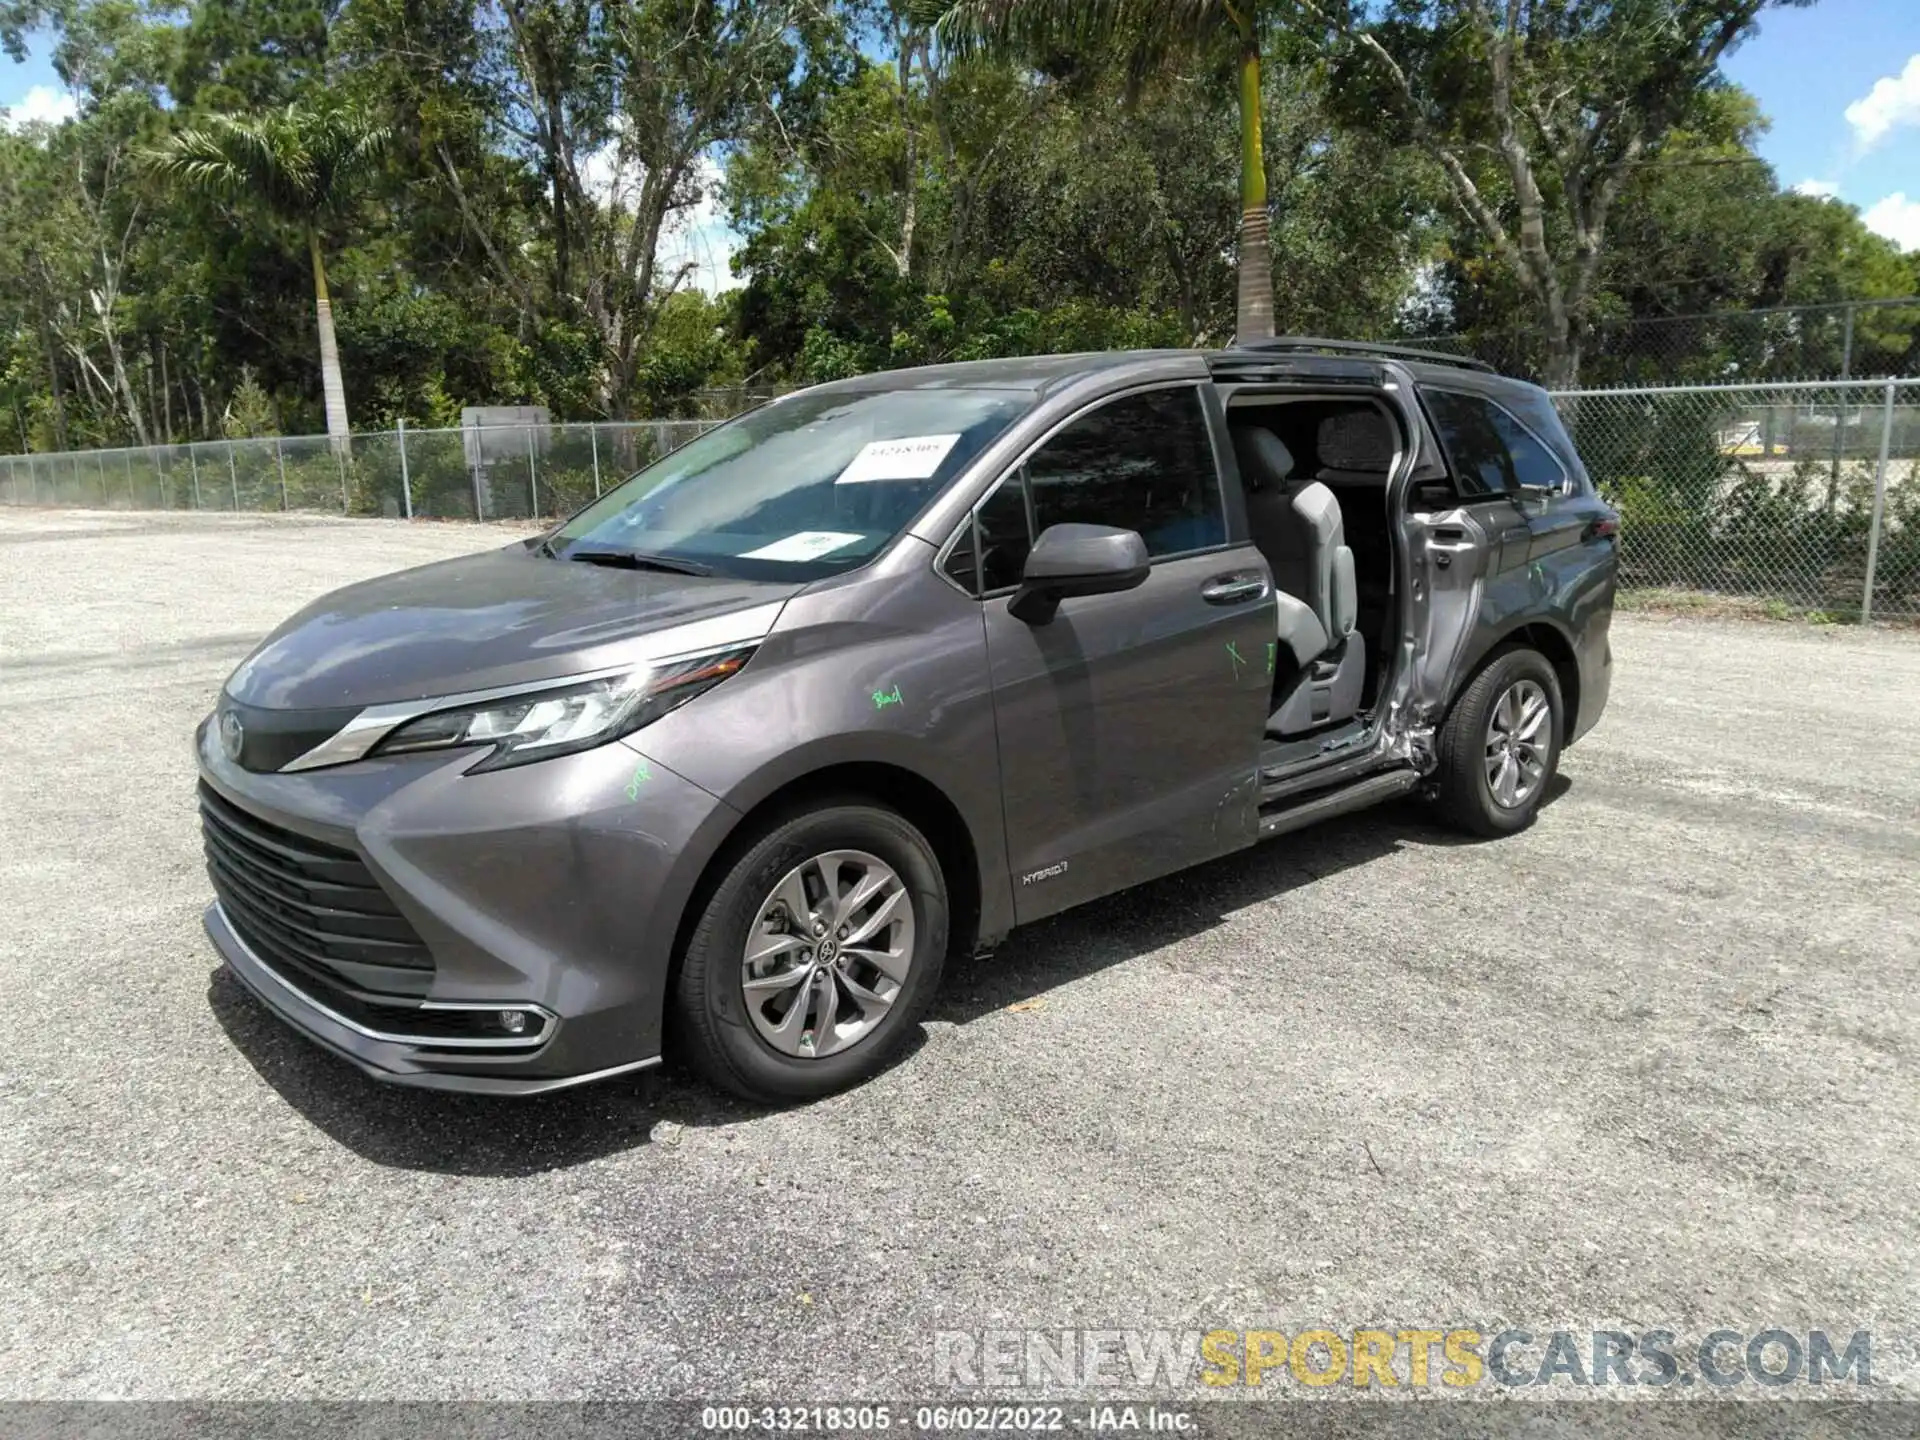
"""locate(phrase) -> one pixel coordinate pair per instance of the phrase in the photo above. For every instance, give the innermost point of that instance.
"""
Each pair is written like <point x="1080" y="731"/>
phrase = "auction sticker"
<point x="914" y="457"/>
<point x="807" y="545"/>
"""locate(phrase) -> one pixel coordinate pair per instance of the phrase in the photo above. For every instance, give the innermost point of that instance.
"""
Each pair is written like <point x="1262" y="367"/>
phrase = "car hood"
<point x="482" y="621"/>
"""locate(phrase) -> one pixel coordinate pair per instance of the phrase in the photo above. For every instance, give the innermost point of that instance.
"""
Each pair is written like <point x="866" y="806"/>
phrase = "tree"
<point x="1538" y="112"/>
<point x="1147" y="36"/>
<point x="599" y="125"/>
<point x="304" y="163"/>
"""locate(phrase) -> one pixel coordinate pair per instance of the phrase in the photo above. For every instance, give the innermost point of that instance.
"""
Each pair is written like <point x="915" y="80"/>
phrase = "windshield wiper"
<point x="637" y="560"/>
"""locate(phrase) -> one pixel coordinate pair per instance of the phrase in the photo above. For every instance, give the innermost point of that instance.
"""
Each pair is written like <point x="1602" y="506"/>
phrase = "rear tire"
<point x="734" y="1037"/>
<point x="1497" y="754"/>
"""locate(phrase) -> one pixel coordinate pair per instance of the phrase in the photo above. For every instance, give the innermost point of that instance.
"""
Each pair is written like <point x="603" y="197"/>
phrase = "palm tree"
<point x="302" y="164"/>
<point x="1148" y="35"/>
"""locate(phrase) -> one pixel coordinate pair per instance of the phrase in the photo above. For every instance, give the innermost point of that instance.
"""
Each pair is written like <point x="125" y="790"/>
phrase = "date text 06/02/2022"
<point x="943" y="1419"/>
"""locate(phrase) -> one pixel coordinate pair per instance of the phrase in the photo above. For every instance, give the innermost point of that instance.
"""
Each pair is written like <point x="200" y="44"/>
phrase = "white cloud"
<point x="1893" y="101"/>
<point x="1897" y="218"/>
<point x="43" y="105"/>
<point x="698" y="235"/>
<point x="695" y="235"/>
<point x="1819" y="189"/>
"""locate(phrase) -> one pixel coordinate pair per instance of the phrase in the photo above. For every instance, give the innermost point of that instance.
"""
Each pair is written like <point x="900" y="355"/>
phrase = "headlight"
<point x="566" y="718"/>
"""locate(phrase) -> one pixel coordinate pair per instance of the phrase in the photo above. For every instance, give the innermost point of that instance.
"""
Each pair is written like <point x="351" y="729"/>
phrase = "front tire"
<point x="1500" y="746"/>
<point x="816" y="954"/>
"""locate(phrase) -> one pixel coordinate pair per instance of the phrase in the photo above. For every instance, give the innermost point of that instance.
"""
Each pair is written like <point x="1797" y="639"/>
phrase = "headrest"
<point x="1356" y="440"/>
<point x="1263" y="456"/>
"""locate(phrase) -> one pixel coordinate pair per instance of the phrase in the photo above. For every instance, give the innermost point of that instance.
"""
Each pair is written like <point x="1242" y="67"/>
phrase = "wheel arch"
<point x="1555" y="645"/>
<point x="891" y="786"/>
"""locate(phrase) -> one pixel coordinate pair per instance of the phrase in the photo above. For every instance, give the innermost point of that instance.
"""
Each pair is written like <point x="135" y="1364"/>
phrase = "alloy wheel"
<point x="1518" y="734"/>
<point x="827" y="954"/>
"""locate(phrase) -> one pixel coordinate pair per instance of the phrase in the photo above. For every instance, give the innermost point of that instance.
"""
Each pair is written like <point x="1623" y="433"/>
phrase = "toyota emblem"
<point x="232" y="735"/>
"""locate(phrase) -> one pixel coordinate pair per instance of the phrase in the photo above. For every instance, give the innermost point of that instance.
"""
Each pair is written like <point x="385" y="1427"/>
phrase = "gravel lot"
<point x="1649" y="1065"/>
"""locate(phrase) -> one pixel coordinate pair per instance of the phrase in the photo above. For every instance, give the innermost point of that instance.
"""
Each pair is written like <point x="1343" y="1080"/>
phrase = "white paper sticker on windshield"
<point x="913" y="457"/>
<point x="807" y="545"/>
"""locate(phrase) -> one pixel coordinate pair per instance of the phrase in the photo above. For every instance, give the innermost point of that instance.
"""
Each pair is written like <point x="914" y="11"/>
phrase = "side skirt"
<point x="1282" y="817"/>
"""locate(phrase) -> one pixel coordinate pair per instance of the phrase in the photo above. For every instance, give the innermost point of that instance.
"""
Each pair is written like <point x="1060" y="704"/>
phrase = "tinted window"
<point x="1143" y="463"/>
<point x="1476" y="449"/>
<point x="1003" y="535"/>
<point x="1000" y="534"/>
<point x="1533" y="463"/>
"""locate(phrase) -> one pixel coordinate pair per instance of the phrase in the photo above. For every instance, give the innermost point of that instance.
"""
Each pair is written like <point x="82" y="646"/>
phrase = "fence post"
<point x="100" y="462"/>
<point x="280" y="460"/>
<point x="233" y="478"/>
<point x="1879" y="501"/>
<point x="406" y="480"/>
<point x="479" y="505"/>
<point x="133" y="501"/>
<point x="1840" y="415"/>
<point x="193" y="464"/>
<point x="593" y="434"/>
<point x="533" y="484"/>
<point x="340" y="456"/>
<point x="77" y="482"/>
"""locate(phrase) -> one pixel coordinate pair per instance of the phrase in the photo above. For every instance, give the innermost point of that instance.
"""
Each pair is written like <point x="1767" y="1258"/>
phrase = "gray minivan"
<point x="736" y="757"/>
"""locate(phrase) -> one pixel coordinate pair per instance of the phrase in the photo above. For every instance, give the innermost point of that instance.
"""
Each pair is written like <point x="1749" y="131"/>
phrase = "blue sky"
<point x="1840" y="80"/>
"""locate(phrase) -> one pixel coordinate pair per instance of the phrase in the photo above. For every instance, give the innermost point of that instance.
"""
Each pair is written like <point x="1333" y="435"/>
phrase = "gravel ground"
<point x="1649" y="1065"/>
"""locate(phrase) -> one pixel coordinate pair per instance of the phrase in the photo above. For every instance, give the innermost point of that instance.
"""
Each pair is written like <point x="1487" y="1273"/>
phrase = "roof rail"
<point x="1362" y="347"/>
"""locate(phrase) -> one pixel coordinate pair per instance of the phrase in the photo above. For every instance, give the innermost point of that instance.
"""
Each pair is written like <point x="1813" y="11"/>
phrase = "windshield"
<point x="805" y="487"/>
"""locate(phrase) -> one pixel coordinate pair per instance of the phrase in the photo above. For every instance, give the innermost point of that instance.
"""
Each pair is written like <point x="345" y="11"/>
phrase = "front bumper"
<point x="556" y="886"/>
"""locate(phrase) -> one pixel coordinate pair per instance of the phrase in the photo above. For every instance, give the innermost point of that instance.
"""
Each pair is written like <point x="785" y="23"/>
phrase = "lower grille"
<point x="310" y="910"/>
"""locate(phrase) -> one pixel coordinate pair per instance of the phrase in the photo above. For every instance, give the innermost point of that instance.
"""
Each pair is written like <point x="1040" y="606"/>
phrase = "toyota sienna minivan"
<point x="734" y="759"/>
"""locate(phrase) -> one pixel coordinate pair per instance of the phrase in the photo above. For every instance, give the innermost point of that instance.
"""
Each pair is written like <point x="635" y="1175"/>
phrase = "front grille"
<point x="308" y="909"/>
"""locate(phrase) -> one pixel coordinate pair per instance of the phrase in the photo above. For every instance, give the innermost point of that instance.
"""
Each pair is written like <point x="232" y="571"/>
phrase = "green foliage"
<point x="250" y="412"/>
<point x="300" y="161"/>
<point x="505" y="197"/>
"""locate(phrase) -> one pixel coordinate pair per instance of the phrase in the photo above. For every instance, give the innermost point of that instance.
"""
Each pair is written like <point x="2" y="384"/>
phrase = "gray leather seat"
<point x="1297" y="527"/>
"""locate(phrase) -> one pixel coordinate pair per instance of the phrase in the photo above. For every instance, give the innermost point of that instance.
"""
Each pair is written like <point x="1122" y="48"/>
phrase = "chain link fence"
<point x="1801" y="342"/>
<point x="474" y="473"/>
<point x="1803" y="498"/>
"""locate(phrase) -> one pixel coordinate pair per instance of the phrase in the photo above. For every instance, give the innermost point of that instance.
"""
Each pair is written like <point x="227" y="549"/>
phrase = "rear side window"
<point x="1142" y="463"/>
<point x="1489" y="451"/>
<point x="1533" y="463"/>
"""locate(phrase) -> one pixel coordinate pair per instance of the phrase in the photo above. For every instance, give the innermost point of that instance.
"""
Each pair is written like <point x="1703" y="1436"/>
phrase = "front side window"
<point x="806" y="487"/>
<point x="1143" y="463"/>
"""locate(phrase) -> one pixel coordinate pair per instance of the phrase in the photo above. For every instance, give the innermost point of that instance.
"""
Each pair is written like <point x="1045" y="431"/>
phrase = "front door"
<point x="1129" y="724"/>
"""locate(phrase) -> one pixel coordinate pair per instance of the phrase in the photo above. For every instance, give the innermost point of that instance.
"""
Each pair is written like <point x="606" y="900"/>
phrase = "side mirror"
<point x="1077" y="560"/>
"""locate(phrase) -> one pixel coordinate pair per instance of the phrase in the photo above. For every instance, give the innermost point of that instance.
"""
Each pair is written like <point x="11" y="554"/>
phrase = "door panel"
<point x="1455" y="553"/>
<point x="1130" y="727"/>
